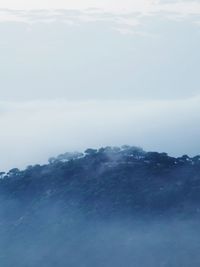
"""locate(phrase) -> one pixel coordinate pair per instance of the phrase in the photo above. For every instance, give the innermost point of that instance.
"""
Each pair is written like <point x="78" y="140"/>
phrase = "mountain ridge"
<point x="126" y="175"/>
<point x="106" y="207"/>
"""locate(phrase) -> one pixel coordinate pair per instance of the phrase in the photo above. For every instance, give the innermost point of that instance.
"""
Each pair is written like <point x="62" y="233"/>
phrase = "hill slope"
<point x="88" y="202"/>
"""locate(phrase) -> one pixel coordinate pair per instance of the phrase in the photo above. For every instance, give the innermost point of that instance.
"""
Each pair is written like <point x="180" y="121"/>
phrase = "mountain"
<point x="104" y="207"/>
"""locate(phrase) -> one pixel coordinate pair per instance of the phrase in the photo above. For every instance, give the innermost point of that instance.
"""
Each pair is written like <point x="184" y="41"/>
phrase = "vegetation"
<point x="107" y="207"/>
<point x="110" y="181"/>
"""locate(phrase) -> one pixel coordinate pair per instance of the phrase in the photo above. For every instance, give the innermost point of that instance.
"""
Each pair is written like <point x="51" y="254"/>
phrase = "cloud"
<point x="113" y="6"/>
<point x="142" y="6"/>
<point x="33" y="131"/>
<point x="119" y="22"/>
<point x="47" y="60"/>
<point x="125" y="15"/>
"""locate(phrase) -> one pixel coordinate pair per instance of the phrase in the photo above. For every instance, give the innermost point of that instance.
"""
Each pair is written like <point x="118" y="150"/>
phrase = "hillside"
<point x="50" y="211"/>
<point x="110" y="180"/>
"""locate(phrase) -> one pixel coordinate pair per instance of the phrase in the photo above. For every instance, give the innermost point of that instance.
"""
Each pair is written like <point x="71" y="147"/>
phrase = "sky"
<point x="78" y="74"/>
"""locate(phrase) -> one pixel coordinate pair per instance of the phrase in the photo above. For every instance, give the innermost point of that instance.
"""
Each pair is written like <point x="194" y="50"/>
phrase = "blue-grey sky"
<point x="74" y="75"/>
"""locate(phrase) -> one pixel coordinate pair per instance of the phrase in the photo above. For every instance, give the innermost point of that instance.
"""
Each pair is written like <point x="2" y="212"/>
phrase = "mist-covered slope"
<point x="109" y="207"/>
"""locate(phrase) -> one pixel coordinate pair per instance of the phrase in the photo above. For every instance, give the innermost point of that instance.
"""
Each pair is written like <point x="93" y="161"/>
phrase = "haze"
<point x="98" y="73"/>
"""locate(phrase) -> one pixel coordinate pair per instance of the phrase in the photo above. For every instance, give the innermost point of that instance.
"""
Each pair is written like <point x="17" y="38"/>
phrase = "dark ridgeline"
<point x="51" y="215"/>
<point x="109" y="182"/>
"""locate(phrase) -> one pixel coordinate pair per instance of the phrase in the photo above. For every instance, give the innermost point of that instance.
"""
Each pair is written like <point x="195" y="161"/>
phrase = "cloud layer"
<point x="33" y="131"/>
<point x="72" y="50"/>
<point x="143" y="6"/>
<point x="95" y="10"/>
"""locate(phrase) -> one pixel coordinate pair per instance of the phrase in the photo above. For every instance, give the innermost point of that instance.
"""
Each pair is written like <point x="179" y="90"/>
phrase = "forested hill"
<point x="111" y="181"/>
<point x="107" y="207"/>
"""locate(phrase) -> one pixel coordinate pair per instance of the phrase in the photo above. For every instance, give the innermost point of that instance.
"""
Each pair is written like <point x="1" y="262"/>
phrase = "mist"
<point x="117" y="84"/>
<point x="31" y="132"/>
<point x="61" y="237"/>
<point x="73" y="79"/>
<point x="115" y="206"/>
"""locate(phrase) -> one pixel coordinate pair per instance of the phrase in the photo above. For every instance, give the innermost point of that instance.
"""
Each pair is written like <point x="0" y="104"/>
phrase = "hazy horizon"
<point x="80" y="74"/>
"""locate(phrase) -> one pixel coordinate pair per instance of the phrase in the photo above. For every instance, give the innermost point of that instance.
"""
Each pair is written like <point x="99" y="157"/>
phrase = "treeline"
<point x="108" y="181"/>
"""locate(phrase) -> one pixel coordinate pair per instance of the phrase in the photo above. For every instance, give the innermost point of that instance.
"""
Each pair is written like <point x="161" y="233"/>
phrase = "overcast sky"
<point x="76" y="74"/>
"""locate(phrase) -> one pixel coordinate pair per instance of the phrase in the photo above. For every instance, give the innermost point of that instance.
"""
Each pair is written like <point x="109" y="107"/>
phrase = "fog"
<point x="102" y="210"/>
<point x="56" y="237"/>
<point x="73" y="79"/>
<point x="96" y="74"/>
<point x="98" y="56"/>
<point x="31" y="132"/>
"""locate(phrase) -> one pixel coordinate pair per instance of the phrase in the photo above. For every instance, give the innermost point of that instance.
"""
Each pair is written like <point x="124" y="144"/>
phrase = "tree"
<point x="90" y="151"/>
<point x="14" y="172"/>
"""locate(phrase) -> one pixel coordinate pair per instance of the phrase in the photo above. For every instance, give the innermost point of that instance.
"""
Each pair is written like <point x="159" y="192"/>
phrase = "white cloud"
<point x="127" y="6"/>
<point x="114" y="5"/>
<point x="33" y="131"/>
<point x="124" y="15"/>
